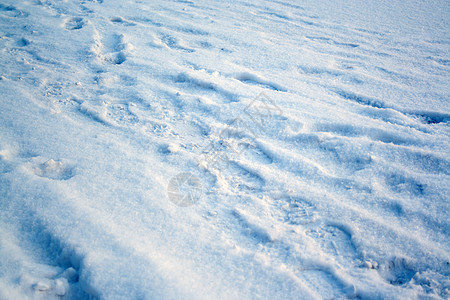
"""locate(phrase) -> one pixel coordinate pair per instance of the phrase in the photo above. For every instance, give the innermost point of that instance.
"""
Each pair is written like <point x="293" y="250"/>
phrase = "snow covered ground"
<point x="245" y="149"/>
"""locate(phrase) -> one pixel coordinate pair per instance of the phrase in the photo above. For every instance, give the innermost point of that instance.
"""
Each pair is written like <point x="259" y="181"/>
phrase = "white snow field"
<point x="210" y="149"/>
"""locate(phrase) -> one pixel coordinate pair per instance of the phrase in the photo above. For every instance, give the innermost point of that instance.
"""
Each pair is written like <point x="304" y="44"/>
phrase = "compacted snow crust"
<point x="212" y="149"/>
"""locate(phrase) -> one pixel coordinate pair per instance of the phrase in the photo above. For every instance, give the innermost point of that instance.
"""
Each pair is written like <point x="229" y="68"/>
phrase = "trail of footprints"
<point x="332" y="240"/>
<point x="334" y="243"/>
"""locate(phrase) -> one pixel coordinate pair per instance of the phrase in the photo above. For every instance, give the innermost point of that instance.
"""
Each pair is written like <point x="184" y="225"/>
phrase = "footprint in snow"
<point x="241" y="178"/>
<point x="397" y="271"/>
<point x="22" y="42"/>
<point x="335" y="242"/>
<point x="55" y="170"/>
<point x="242" y="145"/>
<point x="12" y="11"/>
<point x="114" y="49"/>
<point x="174" y="43"/>
<point x="120" y="115"/>
<point x="58" y="286"/>
<point x="74" y="23"/>
<point x="400" y="183"/>
<point x="299" y="212"/>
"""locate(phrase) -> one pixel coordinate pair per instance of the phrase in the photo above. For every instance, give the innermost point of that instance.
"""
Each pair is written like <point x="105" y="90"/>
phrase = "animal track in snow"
<point x="54" y="170"/>
<point x="74" y="23"/>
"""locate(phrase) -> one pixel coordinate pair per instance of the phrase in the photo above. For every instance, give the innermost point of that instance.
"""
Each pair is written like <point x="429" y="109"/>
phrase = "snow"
<point x="224" y="150"/>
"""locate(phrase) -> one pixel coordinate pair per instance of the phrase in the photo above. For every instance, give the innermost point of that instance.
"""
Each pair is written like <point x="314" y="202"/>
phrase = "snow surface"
<point x="224" y="149"/>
